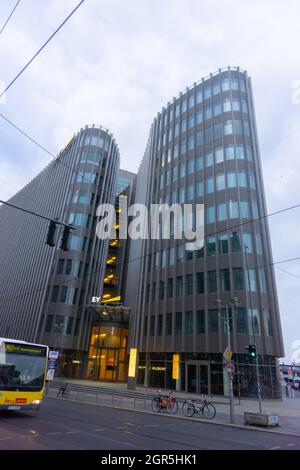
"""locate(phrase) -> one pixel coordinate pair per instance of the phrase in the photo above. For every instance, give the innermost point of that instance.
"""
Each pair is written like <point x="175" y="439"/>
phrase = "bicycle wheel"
<point x="173" y="407"/>
<point x="209" y="410"/>
<point x="155" y="404"/>
<point x="188" y="408"/>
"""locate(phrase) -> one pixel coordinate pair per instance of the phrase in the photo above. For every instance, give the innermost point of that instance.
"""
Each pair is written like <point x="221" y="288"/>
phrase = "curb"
<point x="196" y="420"/>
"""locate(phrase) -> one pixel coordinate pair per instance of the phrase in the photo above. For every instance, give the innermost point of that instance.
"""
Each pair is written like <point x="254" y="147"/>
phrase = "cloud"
<point x="117" y="63"/>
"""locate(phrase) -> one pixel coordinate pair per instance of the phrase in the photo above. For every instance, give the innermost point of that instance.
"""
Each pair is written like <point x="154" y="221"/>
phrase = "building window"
<point x="238" y="279"/>
<point x="180" y="253"/>
<point x="168" y="324"/>
<point x="222" y="212"/>
<point x="220" y="181"/>
<point x="153" y="291"/>
<point x="178" y="324"/>
<point x="213" y="324"/>
<point x="207" y="92"/>
<point x="212" y="281"/>
<point x="170" y="288"/>
<point x="254" y="321"/>
<point x="228" y="129"/>
<point x="229" y="151"/>
<point x="200" y="322"/>
<point x="259" y="247"/>
<point x="161" y="290"/>
<point x="200" y="283"/>
<point x="179" y="286"/>
<point x="147" y="293"/>
<point x="233" y="209"/>
<point x="267" y="323"/>
<point x="226" y="105"/>
<point x="241" y="321"/>
<point x="242" y="178"/>
<point x="54" y="296"/>
<point x="247" y="242"/>
<point x="245" y="210"/>
<point x="189" y="323"/>
<point x="210" y="187"/>
<point x="152" y="325"/>
<point x="69" y="326"/>
<point x="183" y="125"/>
<point x="172" y="256"/>
<point x="199" y="97"/>
<point x="199" y="162"/>
<point x="199" y="117"/>
<point x="217" y="109"/>
<point x="225" y="280"/>
<point x="209" y="159"/>
<point x="211" y="246"/>
<point x="191" y="167"/>
<point x="199" y="191"/>
<point x="251" y="280"/>
<point x="191" y="121"/>
<point x="262" y="281"/>
<point x="235" y="242"/>
<point x="231" y="179"/>
<point x="59" y="324"/>
<point x="223" y="244"/>
<point x="159" y="324"/>
<point x="49" y="323"/>
<point x="189" y="284"/>
<point x="63" y="294"/>
<point x="240" y="152"/>
<point x="211" y="215"/>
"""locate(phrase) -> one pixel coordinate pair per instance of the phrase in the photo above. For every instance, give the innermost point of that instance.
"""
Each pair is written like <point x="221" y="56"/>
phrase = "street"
<point x="61" y="424"/>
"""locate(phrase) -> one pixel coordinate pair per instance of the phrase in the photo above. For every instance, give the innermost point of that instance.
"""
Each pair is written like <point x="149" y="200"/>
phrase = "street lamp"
<point x="234" y="302"/>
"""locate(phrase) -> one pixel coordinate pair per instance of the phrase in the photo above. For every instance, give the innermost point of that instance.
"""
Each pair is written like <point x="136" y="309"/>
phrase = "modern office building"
<point x="154" y="294"/>
<point x="203" y="148"/>
<point x="45" y="292"/>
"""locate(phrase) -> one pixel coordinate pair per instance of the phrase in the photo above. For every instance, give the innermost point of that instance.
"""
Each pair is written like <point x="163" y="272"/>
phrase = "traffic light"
<point x="51" y="233"/>
<point x="65" y="238"/>
<point x="251" y="351"/>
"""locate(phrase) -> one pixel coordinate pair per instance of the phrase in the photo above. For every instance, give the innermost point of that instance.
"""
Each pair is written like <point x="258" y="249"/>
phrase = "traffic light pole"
<point x="230" y="375"/>
<point x="253" y="333"/>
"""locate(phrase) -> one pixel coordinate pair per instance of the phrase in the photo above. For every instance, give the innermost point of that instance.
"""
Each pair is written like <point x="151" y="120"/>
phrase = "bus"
<point x="23" y="368"/>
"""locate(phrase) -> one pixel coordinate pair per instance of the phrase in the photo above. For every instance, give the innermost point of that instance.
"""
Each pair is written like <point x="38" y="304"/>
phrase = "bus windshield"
<point x="21" y="367"/>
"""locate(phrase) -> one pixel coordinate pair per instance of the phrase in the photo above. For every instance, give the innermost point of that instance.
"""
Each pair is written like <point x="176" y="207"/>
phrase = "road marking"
<point x="274" y="448"/>
<point x="151" y="425"/>
<point x="53" y="433"/>
<point x="73" y="432"/>
<point x="291" y="444"/>
<point x="99" y="429"/>
<point x="130" y="424"/>
<point x="121" y="427"/>
<point x="128" y="432"/>
<point x="5" y="438"/>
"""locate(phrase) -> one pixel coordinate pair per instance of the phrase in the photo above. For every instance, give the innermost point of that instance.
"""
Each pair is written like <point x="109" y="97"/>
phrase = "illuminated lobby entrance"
<point x="107" y="359"/>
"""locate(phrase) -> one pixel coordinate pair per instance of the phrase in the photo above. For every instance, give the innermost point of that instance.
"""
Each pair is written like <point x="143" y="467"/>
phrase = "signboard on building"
<point x="132" y="362"/>
<point x="175" y="370"/>
<point x="52" y="360"/>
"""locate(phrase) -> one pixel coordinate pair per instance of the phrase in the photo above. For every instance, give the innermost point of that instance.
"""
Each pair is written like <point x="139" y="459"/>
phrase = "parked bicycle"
<point x="198" y="407"/>
<point x="166" y="403"/>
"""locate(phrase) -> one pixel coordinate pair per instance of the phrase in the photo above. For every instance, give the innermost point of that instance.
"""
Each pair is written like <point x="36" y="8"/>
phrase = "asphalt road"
<point x="62" y="424"/>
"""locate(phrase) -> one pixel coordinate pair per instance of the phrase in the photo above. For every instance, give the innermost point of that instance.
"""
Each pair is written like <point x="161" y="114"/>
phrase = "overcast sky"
<point x="117" y="62"/>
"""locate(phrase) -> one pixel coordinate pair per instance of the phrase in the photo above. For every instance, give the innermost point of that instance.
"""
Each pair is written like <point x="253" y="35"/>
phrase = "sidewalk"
<point x="287" y="409"/>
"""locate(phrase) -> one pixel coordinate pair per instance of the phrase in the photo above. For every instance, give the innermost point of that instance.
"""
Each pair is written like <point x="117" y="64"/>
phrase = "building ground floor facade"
<point x="206" y="373"/>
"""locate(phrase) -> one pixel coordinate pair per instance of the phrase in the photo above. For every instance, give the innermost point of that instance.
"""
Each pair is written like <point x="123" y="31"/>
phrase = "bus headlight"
<point x="36" y="402"/>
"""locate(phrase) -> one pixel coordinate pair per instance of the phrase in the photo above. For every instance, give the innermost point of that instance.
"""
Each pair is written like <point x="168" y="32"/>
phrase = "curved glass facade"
<point x="78" y="273"/>
<point x="204" y="149"/>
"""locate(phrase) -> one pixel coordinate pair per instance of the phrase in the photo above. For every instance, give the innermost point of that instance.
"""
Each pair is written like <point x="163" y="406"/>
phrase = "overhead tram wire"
<point x="10" y="15"/>
<point x="288" y="272"/>
<point x="41" y="48"/>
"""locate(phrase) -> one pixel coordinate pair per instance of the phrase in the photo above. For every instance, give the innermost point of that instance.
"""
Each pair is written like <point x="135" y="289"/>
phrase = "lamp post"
<point x="253" y="334"/>
<point x="232" y="303"/>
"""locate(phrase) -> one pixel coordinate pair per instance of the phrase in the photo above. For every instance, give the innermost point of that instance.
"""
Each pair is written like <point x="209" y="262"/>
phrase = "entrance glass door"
<point x="198" y="377"/>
